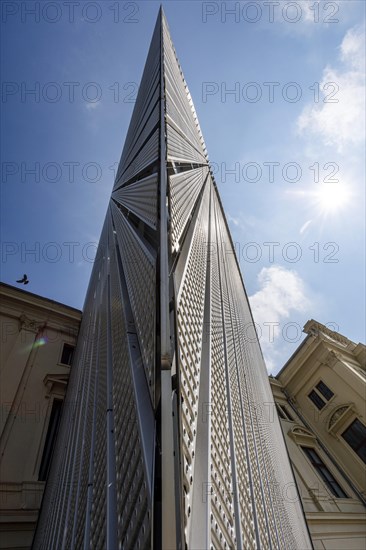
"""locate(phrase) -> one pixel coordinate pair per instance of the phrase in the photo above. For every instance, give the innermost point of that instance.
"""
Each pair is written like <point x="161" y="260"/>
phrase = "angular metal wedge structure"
<point x="169" y="437"/>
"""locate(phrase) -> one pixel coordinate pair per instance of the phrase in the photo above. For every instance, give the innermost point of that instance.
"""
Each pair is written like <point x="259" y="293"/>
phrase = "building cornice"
<point x="321" y="346"/>
<point x="318" y="329"/>
<point x="13" y="294"/>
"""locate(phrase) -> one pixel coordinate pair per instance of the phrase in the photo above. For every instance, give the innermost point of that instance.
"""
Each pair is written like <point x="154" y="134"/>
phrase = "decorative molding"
<point x="332" y="359"/>
<point x="360" y="353"/>
<point x="339" y="418"/>
<point x="302" y="436"/>
<point x="56" y="384"/>
<point x="338" y="518"/>
<point x="25" y="323"/>
<point x="314" y="328"/>
<point x="20" y="498"/>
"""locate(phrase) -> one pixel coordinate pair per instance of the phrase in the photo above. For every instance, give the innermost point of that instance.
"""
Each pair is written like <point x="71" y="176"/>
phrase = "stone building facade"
<point x="320" y="400"/>
<point x="38" y="337"/>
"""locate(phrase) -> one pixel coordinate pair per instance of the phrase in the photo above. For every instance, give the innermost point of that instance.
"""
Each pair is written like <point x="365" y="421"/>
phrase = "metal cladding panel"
<point x="277" y="520"/>
<point x="223" y="527"/>
<point x="65" y="493"/>
<point x="179" y="104"/>
<point x="180" y="150"/>
<point x="75" y="511"/>
<point x="139" y="267"/>
<point x="141" y="198"/>
<point x="99" y="504"/>
<point x="146" y="156"/>
<point x="145" y="106"/>
<point x="190" y="313"/>
<point x="81" y="458"/>
<point x="220" y="488"/>
<point x="149" y="119"/>
<point x="243" y="452"/>
<point x="142" y="143"/>
<point x="241" y="491"/>
<point x="133" y="493"/>
<point x="184" y="189"/>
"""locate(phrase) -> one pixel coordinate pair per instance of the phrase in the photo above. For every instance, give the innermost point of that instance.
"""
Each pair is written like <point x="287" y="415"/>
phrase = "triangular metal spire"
<point x="168" y="439"/>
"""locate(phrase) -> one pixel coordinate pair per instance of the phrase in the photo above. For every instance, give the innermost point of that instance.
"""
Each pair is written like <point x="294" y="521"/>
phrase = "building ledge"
<point x="336" y="518"/>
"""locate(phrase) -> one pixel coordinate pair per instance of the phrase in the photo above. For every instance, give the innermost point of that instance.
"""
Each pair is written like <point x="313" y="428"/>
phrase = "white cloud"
<point x="353" y="48"/>
<point x="233" y="220"/>
<point x="282" y="293"/>
<point x="305" y="226"/>
<point x="91" y="105"/>
<point x="338" y="117"/>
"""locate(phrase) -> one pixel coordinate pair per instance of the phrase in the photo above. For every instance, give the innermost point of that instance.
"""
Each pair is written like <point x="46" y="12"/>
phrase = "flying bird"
<point x="24" y="280"/>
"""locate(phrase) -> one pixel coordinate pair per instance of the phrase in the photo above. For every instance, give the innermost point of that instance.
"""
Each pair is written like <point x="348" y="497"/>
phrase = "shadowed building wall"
<point x="38" y="337"/>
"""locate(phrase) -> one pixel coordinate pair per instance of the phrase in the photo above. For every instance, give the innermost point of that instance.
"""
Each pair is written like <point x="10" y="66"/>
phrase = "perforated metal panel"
<point x="144" y="158"/>
<point x="145" y="115"/>
<point x="140" y="198"/>
<point x="180" y="150"/>
<point x="190" y="313"/>
<point x="181" y="115"/>
<point x="139" y="267"/>
<point x="133" y="489"/>
<point x="164" y="441"/>
<point x="184" y="190"/>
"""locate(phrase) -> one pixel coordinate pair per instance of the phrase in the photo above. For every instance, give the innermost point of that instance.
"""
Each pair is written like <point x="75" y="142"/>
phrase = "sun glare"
<point x="332" y="197"/>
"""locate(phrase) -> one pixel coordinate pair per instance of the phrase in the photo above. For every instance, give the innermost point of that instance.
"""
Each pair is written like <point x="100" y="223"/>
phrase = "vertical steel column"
<point x="82" y="458"/>
<point x="73" y="446"/>
<point x="239" y="539"/>
<point x="201" y="500"/>
<point x="111" y="538"/>
<point x="168" y="516"/>
<point x="164" y="268"/>
<point x="89" y="497"/>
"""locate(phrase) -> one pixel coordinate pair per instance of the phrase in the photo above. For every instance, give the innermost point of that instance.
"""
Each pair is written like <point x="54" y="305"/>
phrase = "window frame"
<point x="325" y="390"/>
<point x="53" y="426"/>
<point x="320" y="395"/>
<point x="64" y="344"/>
<point x="283" y="413"/>
<point x="320" y="467"/>
<point x="316" y="396"/>
<point x="356" y="419"/>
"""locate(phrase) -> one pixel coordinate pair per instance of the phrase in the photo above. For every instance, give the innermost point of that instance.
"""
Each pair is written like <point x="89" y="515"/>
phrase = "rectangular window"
<point x="324" y="390"/>
<point x="283" y="413"/>
<point x="67" y="354"/>
<point x="316" y="399"/>
<point x="324" y="473"/>
<point x="355" y="435"/>
<point x="286" y="411"/>
<point x="50" y="439"/>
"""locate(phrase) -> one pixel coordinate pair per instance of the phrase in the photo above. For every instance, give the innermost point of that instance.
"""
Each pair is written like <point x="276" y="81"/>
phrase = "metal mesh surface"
<point x="221" y="462"/>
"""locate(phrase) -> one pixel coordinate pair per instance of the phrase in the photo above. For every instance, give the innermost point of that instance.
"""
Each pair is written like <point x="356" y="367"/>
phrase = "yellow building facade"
<point x="38" y="337"/>
<point x="320" y="399"/>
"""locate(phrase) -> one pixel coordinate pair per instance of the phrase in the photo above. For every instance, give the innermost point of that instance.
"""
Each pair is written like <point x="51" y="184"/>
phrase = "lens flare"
<point x="40" y="342"/>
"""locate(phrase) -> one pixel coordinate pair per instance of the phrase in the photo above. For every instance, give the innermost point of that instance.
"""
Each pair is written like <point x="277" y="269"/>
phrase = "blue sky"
<point x="293" y="125"/>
